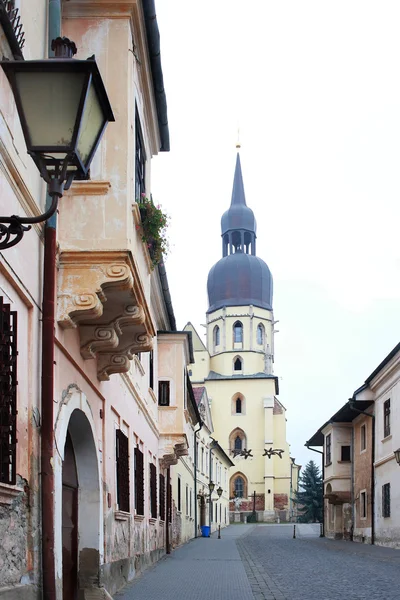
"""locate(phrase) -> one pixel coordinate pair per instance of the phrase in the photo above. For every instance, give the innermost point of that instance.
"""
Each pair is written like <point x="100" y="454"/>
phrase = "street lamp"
<point x="397" y="455"/>
<point x="211" y="487"/>
<point x="219" y="491"/>
<point x="64" y="109"/>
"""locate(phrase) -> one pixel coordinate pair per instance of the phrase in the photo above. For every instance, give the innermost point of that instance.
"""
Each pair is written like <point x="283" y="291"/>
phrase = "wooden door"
<point x="70" y="522"/>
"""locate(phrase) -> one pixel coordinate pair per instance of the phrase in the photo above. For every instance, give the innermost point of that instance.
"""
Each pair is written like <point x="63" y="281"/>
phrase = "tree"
<point x="310" y="497"/>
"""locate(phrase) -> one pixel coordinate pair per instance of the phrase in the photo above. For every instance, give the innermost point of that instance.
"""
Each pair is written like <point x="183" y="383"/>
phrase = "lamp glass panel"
<point x="92" y="124"/>
<point x="50" y="103"/>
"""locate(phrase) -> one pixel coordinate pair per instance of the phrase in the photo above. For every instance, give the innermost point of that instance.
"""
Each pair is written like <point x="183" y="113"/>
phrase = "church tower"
<point x="236" y="367"/>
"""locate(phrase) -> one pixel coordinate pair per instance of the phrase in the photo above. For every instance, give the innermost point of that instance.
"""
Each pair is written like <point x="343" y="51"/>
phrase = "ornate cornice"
<point x="88" y="188"/>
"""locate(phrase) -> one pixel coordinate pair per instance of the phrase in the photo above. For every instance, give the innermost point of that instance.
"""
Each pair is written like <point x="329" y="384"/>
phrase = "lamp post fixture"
<point x="63" y="108"/>
<point x="397" y="455"/>
<point x="219" y="491"/>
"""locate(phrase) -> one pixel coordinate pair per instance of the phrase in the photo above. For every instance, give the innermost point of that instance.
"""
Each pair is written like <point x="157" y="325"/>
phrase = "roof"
<point x="383" y="364"/>
<point x="345" y="414"/>
<point x="216" y="446"/>
<point x="213" y="376"/>
<point x="153" y="43"/>
<point x="192" y="398"/>
<point x="239" y="215"/>
<point x="198" y="394"/>
<point x="167" y="295"/>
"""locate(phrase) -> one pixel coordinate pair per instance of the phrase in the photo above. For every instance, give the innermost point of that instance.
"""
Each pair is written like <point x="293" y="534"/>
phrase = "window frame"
<point x="161" y="496"/>
<point x="217" y="336"/>
<point x="235" y="486"/>
<point x="341" y="453"/>
<point x="363" y="437"/>
<point x="386" y="418"/>
<point x="237" y="326"/>
<point x="122" y="464"/>
<point x="164" y="392"/>
<point x="139" y="481"/>
<point x="179" y="494"/>
<point x="363" y="505"/>
<point x="260" y="328"/>
<point x="386" y="501"/>
<point x="140" y="159"/>
<point x="237" y="360"/>
<point x="238" y="403"/>
<point x="328" y="449"/>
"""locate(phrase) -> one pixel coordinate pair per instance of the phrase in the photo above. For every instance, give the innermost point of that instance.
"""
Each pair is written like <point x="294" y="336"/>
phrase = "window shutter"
<point x="139" y="482"/>
<point x="153" y="490"/>
<point x="8" y="393"/>
<point x="162" y="496"/>
<point x="122" y="454"/>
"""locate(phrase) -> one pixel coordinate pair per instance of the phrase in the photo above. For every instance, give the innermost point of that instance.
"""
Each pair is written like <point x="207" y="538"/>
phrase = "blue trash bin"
<point x="205" y="531"/>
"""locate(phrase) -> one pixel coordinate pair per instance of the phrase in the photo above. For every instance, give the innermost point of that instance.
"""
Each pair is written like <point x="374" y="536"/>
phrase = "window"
<point x="260" y="334"/>
<point x="363" y="437"/>
<point x="169" y="492"/>
<point x="8" y="394"/>
<point x="237" y="333"/>
<point x="190" y="502"/>
<point x="179" y="493"/>
<point x="238" y="443"/>
<point x="216" y="336"/>
<point x="328" y="449"/>
<point x="140" y="161"/>
<point x="161" y="488"/>
<point x="386" y="500"/>
<point x="239" y="487"/>
<point x="220" y="512"/>
<point x="237" y="365"/>
<point x="163" y="393"/>
<point x="363" y="505"/>
<point x="151" y="370"/>
<point x="153" y="490"/>
<point x="122" y="458"/>
<point x="238" y="405"/>
<point x="216" y="512"/>
<point x="139" y="482"/>
<point x="187" y="500"/>
<point x="202" y="460"/>
<point x="345" y="454"/>
<point x="386" y="418"/>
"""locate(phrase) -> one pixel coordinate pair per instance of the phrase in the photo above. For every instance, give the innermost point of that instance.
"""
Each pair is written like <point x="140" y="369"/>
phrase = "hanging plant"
<point x="154" y="229"/>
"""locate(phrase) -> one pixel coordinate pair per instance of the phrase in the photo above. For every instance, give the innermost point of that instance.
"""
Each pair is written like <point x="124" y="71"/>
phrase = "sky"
<point x="314" y="88"/>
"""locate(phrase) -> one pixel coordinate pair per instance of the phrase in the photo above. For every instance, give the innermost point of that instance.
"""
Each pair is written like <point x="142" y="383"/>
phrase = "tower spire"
<point x="238" y="196"/>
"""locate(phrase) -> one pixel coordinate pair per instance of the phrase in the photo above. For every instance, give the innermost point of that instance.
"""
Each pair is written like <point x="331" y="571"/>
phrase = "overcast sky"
<point x="315" y="89"/>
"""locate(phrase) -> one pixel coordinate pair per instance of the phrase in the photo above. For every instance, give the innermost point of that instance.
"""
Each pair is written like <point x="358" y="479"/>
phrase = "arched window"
<point x="216" y="336"/>
<point x="260" y="334"/>
<point x="237" y="365"/>
<point x="239" y="487"/>
<point x="238" y="443"/>
<point x="238" y="405"/>
<point x="237" y="333"/>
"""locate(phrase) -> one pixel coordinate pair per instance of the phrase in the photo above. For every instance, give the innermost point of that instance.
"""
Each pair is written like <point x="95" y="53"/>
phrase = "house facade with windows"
<point x="235" y="366"/>
<point x="361" y="494"/>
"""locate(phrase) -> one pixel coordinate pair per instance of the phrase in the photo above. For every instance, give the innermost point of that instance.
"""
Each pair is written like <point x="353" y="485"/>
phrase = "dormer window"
<point x="260" y="334"/>
<point x="216" y="336"/>
<point x="238" y="364"/>
<point x="238" y="333"/>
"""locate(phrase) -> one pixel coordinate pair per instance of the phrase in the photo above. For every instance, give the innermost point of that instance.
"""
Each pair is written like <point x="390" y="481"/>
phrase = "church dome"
<point x="239" y="280"/>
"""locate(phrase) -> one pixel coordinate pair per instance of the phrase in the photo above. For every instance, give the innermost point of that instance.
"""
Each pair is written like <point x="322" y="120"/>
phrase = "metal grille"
<point x="169" y="492"/>
<point x="8" y="393"/>
<point x="140" y="161"/>
<point x="139" y="482"/>
<point x="386" y="500"/>
<point x="11" y="22"/>
<point x="122" y="451"/>
<point x="153" y="491"/>
<point x="162" y="496"/>
<point x="386" y="418"/>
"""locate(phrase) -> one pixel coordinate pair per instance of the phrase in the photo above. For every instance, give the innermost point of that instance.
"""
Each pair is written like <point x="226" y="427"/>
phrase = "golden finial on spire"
<point x="238" y="140"/>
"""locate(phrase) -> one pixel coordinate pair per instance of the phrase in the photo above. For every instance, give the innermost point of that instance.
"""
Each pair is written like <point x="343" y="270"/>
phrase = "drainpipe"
<point x="48" y="323"/>
<point x="169" y="513"/>
<point x="352" y="403"/>
<point x="352" y="484"/>
<point x="323" y="478"/>
<point x="195" y="477"/>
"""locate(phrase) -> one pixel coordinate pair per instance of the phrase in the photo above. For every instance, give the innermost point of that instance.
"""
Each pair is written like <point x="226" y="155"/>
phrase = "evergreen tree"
<point x="310" y="497"/>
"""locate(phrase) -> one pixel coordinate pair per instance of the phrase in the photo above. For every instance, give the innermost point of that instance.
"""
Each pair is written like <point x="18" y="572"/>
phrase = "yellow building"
<point x="235" y="364"/>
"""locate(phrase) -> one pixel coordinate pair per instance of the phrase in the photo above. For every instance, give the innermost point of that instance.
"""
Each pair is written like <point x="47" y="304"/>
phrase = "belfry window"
<point x="239" y="487"/>
<point x="238" y="443"/>
<point x="238" y="333"/>
<point x="260" y="334"/>
<point x="238" y="364"/>
<point x="238" y="405"/>
<point x="216" y="336"/>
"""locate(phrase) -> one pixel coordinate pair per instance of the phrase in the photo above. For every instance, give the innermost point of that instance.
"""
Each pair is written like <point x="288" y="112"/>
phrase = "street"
<point x="264" y="562"/>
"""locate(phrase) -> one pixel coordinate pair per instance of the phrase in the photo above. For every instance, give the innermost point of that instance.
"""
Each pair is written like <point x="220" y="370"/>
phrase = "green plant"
<point x="310" y="498"/>
<point x="154" y="229"/>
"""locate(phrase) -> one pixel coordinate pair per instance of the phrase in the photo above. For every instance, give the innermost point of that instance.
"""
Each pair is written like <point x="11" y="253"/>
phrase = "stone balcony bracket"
<point x="102" y="295"/>
<point x="172" y="447"/>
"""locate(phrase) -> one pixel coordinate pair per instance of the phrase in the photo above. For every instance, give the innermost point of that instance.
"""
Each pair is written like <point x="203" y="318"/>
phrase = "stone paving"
<point x="264" y="562"/>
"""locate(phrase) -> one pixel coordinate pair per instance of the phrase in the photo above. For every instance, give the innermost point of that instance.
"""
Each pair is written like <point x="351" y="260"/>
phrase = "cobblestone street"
<point x="264" y="562"/>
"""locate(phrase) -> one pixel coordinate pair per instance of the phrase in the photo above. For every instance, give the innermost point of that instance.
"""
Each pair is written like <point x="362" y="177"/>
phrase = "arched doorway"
<point x="69" y="522"/>
<point x="78" y="506"/>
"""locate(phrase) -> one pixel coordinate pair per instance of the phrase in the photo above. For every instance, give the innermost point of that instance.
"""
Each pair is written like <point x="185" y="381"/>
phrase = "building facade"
<point x="361" y="495"/>
<point x="235" y="365"/>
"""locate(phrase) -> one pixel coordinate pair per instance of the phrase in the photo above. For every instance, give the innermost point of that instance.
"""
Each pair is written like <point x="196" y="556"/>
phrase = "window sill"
<point x="348" y="462"/>
<point x="139" y="518"/>
<point x="328" y="464"/>
<point x="9" y="492"/>
<point x="121" y="515"/>
<point x="152" y="520"/>
<point x="167" y="407"/>
<point x="385" y="439"/>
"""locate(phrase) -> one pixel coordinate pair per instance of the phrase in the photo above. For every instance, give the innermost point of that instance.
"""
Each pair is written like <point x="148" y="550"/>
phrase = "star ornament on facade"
<point x="273" y="452"/>
<point x="246" y="453"/>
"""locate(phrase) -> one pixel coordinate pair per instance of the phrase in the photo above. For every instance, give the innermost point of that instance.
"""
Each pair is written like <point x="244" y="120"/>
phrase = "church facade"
<point x="235" y="365"/>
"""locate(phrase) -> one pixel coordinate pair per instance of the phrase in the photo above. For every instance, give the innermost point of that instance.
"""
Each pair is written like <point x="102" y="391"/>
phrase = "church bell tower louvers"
<point x="236" y="367"/>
